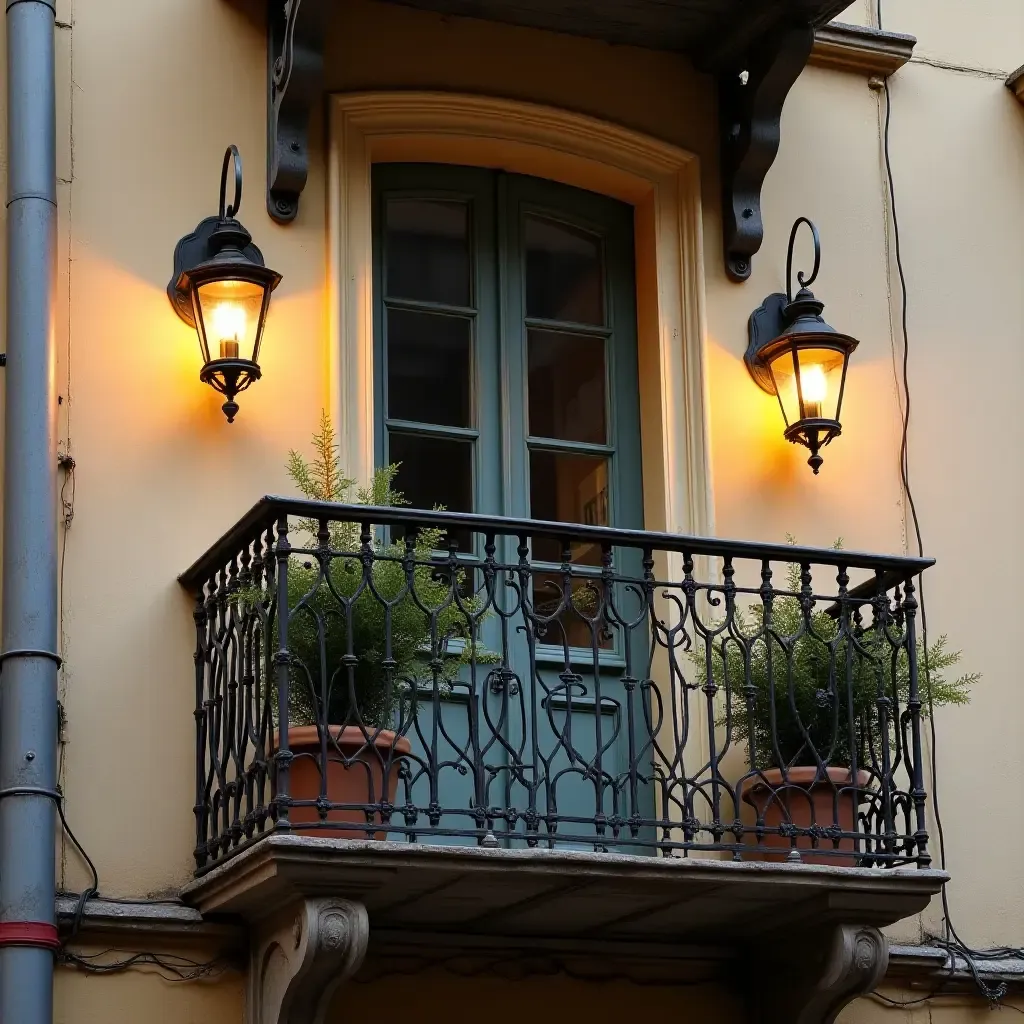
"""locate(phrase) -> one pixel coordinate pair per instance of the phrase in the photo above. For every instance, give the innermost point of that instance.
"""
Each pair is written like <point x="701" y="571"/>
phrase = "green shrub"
<point x="797" y="669"/>
<point x="330" y="597"/>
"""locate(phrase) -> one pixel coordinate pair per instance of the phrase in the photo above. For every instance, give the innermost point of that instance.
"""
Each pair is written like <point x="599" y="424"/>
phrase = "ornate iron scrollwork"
<point x="751" y="94"/>
<point x="296" y="31"/>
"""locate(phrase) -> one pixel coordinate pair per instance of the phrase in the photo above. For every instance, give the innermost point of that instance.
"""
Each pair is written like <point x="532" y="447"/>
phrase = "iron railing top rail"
<point x="895" y="568"/>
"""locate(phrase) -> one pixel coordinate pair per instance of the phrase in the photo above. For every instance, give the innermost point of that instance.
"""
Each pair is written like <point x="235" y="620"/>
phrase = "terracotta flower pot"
<point x="800" y="800"/>
<point x="358" y="781"/>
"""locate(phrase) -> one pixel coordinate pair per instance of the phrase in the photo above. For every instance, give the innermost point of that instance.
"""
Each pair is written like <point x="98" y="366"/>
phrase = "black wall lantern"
<point x="222" y="288"/>
<point x="795" y="355"/>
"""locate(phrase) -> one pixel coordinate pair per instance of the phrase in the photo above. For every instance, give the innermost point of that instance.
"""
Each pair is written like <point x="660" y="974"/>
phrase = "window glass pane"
<point x="429" y="367"/>
<point x="568" y="488"/>
<point x="427" y="251"/>
<point x="564" y="276"/>
<point x="578" y="620"/>
<point x="435" y="471"/>
<point x="566" y="386"/>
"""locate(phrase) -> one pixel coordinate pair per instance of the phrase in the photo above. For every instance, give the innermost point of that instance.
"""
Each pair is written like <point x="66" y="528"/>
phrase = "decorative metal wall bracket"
<point x="751" y="94"/>
<point x="296" y="32"/>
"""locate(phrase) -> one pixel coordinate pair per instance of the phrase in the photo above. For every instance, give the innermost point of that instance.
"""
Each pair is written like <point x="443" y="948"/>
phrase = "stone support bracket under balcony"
<point x="300" y="957"/>
<point x="316" y="907"/>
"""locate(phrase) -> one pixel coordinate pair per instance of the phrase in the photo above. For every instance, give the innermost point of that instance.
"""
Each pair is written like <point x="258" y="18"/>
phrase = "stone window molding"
<point x="661" y="181"/>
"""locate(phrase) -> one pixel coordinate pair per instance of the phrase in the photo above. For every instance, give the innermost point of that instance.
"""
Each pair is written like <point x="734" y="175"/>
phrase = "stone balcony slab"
<point x="557" y="894"/>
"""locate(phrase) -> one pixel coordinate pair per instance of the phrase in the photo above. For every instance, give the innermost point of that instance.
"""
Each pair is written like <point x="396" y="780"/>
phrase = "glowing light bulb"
<point x="229" y="327"/>
<point x="814" y="388"/>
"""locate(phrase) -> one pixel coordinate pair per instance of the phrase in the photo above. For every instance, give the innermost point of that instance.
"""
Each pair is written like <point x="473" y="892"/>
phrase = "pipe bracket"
<point x="28" y="652"/>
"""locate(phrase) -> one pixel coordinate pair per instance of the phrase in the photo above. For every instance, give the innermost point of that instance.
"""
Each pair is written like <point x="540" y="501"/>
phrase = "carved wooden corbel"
<point x="751" y="92"/>
<point x="296" y="34"/>
<point x="811" y="980"/>
<point x="301" y="957"/>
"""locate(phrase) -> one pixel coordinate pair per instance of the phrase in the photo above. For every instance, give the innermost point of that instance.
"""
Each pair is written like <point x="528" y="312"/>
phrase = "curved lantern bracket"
<point x="296" y="34"/>
<point x="803" y="280"/>
<point x="768" y="321"/>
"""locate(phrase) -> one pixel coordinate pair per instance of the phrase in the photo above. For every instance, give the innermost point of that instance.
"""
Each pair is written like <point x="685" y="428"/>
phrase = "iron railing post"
<point x="910" y="606"/>
<point x="200" y="714"/>
<point x="282" y="668"/>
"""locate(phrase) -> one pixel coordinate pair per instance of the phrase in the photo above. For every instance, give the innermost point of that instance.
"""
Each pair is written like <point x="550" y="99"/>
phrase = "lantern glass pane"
<point x="821" y="377"/>
<point x="783" y="372"/>
<point x="231" y="312"/>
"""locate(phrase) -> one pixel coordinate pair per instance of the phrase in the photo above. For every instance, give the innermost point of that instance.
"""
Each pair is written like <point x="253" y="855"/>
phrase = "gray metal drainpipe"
<point x="28" y="660"/>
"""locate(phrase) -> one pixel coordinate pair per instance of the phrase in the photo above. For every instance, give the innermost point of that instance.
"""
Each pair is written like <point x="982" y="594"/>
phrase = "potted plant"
<point x="342" y="716"/>
<point x="803" y="730"/>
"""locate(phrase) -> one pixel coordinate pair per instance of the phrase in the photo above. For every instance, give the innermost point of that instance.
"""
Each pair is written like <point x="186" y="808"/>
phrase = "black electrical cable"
<point x="93" y="890"/>
<point x="904" y="1004"/>
<point x="178" y="968"/>
<point x="953" y="944"/>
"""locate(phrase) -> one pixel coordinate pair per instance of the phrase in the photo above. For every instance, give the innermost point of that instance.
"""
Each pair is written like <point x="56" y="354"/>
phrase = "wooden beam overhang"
<point x="755" y="49"/>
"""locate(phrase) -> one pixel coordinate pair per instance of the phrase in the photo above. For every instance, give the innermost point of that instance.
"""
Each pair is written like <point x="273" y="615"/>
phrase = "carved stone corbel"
<point x="301" y="957"/>
<point x="811" y="981"/>
<point x="296" y="33"/>
<point x="751" y="92"/>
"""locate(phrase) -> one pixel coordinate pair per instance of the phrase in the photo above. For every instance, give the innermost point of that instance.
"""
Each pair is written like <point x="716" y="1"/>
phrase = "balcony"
<point x="515" y="732"/>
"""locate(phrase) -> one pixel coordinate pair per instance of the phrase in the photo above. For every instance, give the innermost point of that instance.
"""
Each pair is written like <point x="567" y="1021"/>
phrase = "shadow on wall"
<point x="460" y="994"/>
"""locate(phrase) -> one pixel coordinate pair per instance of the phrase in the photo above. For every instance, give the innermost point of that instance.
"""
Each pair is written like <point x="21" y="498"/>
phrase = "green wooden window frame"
<point x="498" y="206"/>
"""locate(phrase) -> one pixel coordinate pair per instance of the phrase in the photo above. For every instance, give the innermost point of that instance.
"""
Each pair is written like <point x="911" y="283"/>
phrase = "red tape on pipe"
<point x="29" y="933"/>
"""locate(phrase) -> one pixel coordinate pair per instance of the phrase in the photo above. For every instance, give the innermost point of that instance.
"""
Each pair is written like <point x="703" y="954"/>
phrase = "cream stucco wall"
<point x="958" y="152"/>
<point x="145" y="996"/>
<point x="150" y="95"/>
<point x="912" y="1008"/>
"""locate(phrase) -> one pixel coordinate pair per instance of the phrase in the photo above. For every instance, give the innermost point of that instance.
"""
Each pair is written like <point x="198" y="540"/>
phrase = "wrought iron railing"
<point x="474" y="680"/>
